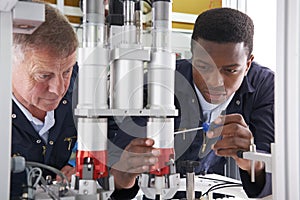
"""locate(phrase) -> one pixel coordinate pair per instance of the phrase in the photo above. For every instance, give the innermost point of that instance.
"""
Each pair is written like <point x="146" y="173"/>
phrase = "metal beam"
<point x="287" y="106"/>
<point x="5" y="105"/>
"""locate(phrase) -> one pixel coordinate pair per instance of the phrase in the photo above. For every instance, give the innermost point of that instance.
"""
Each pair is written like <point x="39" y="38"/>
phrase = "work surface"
<point x="211" y="183"/>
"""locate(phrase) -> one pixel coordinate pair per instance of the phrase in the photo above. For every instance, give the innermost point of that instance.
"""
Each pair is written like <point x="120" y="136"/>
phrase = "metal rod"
<point x="188" y="130"/>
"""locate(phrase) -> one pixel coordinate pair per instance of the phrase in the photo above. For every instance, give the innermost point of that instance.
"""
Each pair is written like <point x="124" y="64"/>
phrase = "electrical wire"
<point x="224" y="184"/>
<point x="33" y="173"/>
<point x="56" y="171"/>
<point x="220" y="186"/>
<point x="214" y="179"/>
<point x="48" y="190"/>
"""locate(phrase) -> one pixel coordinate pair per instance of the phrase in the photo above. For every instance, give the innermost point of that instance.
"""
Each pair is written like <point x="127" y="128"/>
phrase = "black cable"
<point x="213" y="179"/>
<point x="225" y="186"/>
<point x="212" y="187"/>
<point x="220" y="186"/>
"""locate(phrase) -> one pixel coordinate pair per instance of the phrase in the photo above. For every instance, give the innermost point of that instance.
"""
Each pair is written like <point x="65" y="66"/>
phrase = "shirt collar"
<point x="216" y="109"/>
<point x="30" y="117"/>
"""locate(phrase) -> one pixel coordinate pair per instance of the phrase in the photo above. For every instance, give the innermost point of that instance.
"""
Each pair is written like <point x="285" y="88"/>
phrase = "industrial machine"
<point x="126" y="58"/>
<point x="112" y="63"/>
<point x="110" y="49"/>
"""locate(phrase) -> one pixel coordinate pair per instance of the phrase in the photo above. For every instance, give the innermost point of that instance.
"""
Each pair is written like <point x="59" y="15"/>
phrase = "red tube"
<point x="162" y="168"/>
<point x="99" y="159"/>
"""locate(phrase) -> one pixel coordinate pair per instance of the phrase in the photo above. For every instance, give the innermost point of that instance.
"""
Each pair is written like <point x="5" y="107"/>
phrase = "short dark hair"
<point x="224" y="25"/>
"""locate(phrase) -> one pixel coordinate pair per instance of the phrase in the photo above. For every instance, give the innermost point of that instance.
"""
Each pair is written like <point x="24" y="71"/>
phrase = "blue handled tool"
<point x="205" y="126"/>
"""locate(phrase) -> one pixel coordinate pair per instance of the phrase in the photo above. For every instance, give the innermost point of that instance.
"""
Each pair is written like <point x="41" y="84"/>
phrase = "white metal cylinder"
<point x="128" y="10"/>
<point x="161" y="130"/>
<point x="92" y="134"/>
<point x="92" y="87"/>
<point x="93" y="23"/>
<point x="93" y="35"/>
<point x="162" y="25"/>
<point x="127" y="84"/>
<point x="129" y="35"/>
<point x="161" y="70"/>
<point x="161" y="81"/>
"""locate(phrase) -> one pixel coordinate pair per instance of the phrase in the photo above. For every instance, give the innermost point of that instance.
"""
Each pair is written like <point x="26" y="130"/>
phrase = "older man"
<point x="43" y="129"/>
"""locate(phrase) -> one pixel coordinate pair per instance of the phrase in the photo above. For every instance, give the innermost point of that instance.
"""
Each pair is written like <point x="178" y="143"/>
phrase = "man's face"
<point x="41" y="80"/>
<point x="219" y="68"/>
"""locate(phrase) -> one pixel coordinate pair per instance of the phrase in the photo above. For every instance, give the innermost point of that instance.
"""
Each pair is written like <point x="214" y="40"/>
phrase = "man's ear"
<point x="249" y="61"/>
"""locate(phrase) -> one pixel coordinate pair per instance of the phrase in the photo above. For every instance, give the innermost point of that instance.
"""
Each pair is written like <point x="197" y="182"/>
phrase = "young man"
<point x="43" y="129"/>
<point x="220" y="77"/>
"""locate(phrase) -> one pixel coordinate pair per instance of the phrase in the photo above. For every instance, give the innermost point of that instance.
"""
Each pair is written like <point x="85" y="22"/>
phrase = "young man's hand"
<point x="137" y="158"/>
<point x="236" y="136"/>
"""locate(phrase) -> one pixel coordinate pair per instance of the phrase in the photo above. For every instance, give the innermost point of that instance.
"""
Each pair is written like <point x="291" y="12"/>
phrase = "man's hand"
<point x="236" y="136"/>
<point x="137" y="158"/>
<point x="68" y="171"/>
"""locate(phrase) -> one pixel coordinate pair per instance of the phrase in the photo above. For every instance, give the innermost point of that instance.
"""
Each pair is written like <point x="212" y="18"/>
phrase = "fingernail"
<point x="155" y="152"/>
<point x="210" y="134"/>
<point x="218" y="120"/>
<point x="148" y="142"/>
<point x="216" y="153"/>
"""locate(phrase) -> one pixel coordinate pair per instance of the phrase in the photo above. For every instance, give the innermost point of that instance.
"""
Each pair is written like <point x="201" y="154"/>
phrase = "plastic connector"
<point x="17" y="164"/>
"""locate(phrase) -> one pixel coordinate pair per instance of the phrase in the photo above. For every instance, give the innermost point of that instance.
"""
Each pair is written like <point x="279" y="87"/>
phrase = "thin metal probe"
<point x="188" y="130"/>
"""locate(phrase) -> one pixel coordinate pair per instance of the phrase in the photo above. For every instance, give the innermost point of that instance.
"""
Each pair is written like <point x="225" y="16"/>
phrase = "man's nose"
<point x="56" y="85"/>
<point x="215" y="79"/>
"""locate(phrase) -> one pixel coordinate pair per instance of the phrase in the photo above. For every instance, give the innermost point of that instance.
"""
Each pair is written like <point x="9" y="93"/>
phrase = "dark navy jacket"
<point x="254" y="100"/>
<point x="26" y="141"/>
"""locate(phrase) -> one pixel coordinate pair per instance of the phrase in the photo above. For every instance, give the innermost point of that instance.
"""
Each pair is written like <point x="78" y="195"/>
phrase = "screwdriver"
<point x="205" y="126"/>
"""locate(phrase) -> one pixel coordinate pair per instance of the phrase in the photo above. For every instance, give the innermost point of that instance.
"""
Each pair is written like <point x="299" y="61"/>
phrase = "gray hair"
<point x="56" y="35"/>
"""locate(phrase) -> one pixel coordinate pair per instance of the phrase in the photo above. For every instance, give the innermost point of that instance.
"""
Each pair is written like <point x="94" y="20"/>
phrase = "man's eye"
<point x="202" y="67"/>
<point x="43" y="76"/>
<point x="231" y="70"/>
<point x="66" y="73"/>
